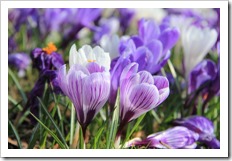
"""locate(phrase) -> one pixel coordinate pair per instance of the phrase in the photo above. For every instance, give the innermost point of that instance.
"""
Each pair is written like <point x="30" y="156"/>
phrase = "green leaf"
<point x="96" y="139"/>
<point x="34" y="136"/>
<point x="16" y="134"/>
<point x="114" y="124"/>
<point x="72" y="124"/>
<point x="50" y="132"/>
<point x="18" y="85"/>
<point x="139" y="120"/>
<point x="53" y="122"/>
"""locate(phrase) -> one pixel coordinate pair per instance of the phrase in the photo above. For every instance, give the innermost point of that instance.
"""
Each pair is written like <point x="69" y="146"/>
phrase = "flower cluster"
<point x="122" y="73"/>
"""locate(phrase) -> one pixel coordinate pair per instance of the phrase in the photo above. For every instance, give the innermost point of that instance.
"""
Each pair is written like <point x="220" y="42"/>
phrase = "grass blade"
<point x="53" y="122"/>
<point x="16" y="134"/>
<point x="96" y="139"/>
<point x="139" y="120"/>
<point x="18" y="85"/>
<point x="33" y="138"/>
<point x="114" y="124"/>
<point x="72" y="124"/>
<point x="50" y="132"/>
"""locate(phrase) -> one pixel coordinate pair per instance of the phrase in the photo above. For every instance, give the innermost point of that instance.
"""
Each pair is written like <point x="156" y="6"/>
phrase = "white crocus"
<point x="111" y="45"/>
<point x="156" y="14"/>
<point x="196" y="43"/>
<point x="87" y="54"/>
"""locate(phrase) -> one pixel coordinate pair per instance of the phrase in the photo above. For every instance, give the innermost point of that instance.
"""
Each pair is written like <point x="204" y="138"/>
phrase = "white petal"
<point x="87" y="52"/>
<point x="102" y="58"/>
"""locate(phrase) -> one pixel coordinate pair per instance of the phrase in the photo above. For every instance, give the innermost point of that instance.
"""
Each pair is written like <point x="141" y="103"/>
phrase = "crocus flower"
<point x="203" y="73"/>
<point x="108" y="26"/>
<point x="86" y="55"/>
<point x="125" y="16"/>
<point x="88" y="90"/>
<point x="46" y="58"/>
<point x="38" y="90"/>
<point x="205" y="78"/>
<point x="196" y="43"/>
<point x="27" y="16"/>
<point x="204" y="127"/>
<point x="174" y="138"/>
<point x="151" y="47"/>
<point x="156" y="14"/>
<point x="110" y="43"/>
<point x="20" y="61"/>
<point x="139" y="93"/>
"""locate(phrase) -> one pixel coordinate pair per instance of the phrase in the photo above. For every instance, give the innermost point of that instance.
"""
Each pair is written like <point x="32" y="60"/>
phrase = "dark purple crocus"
<point x="46" y="58"/>
<point x="206" y="75"/>
<point x="151" y="47"/>
<point x="139" y="93"/>
<point x="38" y="90"/>
<point x="87" y="87"/>
<point x="204" y="127"/>
<point x="20" y="61"/>
<point x="125" y="17"/>
<point x="174" y="138"/>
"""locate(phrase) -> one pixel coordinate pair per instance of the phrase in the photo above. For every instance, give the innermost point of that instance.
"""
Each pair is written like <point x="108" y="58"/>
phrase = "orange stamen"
<point x="50" y="48"/>
<point x="90" y="61"/>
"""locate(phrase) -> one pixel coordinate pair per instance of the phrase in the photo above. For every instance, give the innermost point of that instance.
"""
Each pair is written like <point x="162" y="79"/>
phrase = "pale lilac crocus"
<point x="204" y="127"/>
<point x="174" y="138"/>
<point x="139" y="93"/>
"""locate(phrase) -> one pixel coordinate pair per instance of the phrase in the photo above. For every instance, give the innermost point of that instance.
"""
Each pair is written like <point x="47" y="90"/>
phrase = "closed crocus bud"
<point x="196" y="43"/>
<point x="204" y="127"/>
<point x="20" y="61"/>
<point x="139" y="93"/>
<point x="174" y="138"/>
<point x="204" y="72"/>
<point x="88" y="91"/>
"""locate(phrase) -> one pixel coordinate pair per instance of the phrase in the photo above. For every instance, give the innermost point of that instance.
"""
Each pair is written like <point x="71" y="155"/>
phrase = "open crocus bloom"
<point x="87" y="89"/>
<point x="174" y="138"/>
<point x="139" y="93"/>
<point x="204" y="127"/>
<point x="86" y="55"/>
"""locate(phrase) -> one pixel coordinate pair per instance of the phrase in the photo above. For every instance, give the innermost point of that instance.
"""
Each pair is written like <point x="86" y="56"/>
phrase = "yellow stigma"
<point x="90" y="61"/>
<point x="50" y="48"/>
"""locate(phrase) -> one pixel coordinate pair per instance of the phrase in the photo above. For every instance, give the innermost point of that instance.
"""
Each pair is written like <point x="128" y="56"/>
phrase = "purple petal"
<point x="143" y="98"/>
<point x="96" y="89"/>
<point x="148" y="30"/>
<point x="169" y="38"/>
<point x="94" y="67"/>
<point x="146" y="77"/>
<point x="163" y="86"/>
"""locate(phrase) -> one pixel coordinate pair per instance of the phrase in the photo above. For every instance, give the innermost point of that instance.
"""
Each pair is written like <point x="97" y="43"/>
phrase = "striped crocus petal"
<point x="139" y="93"/>
<point x="173" y="138"/>
<point x="203" y="126"/>
<point x="88" y="91"/>
<point x="162" y="84"/>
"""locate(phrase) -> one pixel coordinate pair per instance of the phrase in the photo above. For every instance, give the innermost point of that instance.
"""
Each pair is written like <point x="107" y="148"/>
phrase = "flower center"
<point x="50" y="48"/>
<point x="90" y="61"/>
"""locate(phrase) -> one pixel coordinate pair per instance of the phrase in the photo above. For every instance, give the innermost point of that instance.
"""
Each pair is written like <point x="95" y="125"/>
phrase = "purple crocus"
<point x="108" y="26"/>
<point x="27" y="16"/>
<point x="20" y="61"/>
<point x="139" y="93"/>
<point x="174" y="138"/>
<point x="87" y="87"/>
<point x="206" y="75"/>
<point x="125" y="17"/>
<point x="38" y="90"/>
<point x="151" y="47"/>
<point x="204" y="127"/>
<point x="46" y="58"/>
